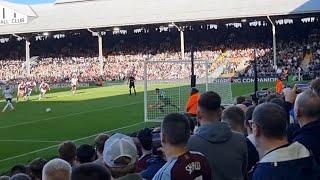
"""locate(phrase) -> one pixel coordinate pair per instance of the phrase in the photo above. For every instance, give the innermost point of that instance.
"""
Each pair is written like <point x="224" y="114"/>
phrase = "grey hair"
<point x="308" y="102"/>
<point x="54" y="166"/>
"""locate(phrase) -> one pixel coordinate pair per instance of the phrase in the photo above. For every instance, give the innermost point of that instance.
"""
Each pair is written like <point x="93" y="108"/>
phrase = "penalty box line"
<point x="76" y="140"/>
<point x="68" y="115"/>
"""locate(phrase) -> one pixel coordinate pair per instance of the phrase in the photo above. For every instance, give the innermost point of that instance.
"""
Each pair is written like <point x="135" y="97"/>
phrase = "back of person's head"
<point x="315" y="86"/>
<point x="145" y="138"/>
<point x="4" y="177"/>
<point x="120" y="155"/>
<point x="99" y="142"/>
<point x="307" y="105"/>
<point x="35" y="168"/>
<point x="270" y="121"/>
<point x="240" y="100"/>
<point x="90" y="171"/>
<point x="262" y="100"/>
<point x="175" y="130"/>
<point x="20" y="176"/>
<point x="85" y="154"/>
<point x="192" y="122"/>
<point x="279" y="101"/>
<point x="248" y="118"/>
<point x="272" y="96"/>
<point x="242" y="107"/>
<point x="209" y="107"/>
<point x="235" y="117"/>
<point x="194" y="90"/>
<point x="56" y="169"/>
<point x="68" y="152"/>
<point x="19" y="168"/>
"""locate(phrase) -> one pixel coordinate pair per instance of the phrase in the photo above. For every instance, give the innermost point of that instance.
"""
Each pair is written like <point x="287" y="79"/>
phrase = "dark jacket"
<point x="309" y="136"/>
<point x="293" y="162"/>
<point x="153" y="165"/>
<point x="253" y="155"/>
<point x="226" y="150"/>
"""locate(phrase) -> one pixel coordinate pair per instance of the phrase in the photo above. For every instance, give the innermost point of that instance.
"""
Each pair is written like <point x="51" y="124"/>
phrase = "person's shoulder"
<point x="165" y="172"/>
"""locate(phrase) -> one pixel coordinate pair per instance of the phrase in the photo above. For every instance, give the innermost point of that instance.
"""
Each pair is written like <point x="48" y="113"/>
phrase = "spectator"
<point x="181" y="162"/>
<point x="68" y="152"/>
<point x="217" y="142"/>
<point x="20" y="176"/>
<point x="145" y="140"/>
<point x="280" y="160"/>
<point x="120" y="156"/>
<point x="307" y="108"/>
<point x="85" y="154"/>
<point x="192" y="103"/>
<point x="56" y="169"/>
<point x="234" y="116"/>
<point x="4" y="177"/>
<point x="315" y="86"/>
<point x="248" y="122"/>
<point x="35" y="168"/>
<point x="282" y="103"/>
<point x="19" y="168"/>
<point x="90" y="171"/>
<point x="99" y="146"/>
<point x="240" y="100"/>
<point x="156" y="161"/>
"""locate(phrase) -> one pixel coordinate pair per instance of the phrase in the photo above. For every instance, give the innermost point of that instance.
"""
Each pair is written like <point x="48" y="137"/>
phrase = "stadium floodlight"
<point x="116" y="29"/>
<point x="243" y="20"/>
<point x="45" y="34"/>
<point x="170" y="25"/>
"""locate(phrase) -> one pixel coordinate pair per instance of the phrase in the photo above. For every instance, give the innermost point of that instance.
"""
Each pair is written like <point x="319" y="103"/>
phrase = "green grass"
<point x="30" y="132"/>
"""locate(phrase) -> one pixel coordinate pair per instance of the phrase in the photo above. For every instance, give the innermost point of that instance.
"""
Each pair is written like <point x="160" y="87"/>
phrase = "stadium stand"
<point x="249" y="141"/>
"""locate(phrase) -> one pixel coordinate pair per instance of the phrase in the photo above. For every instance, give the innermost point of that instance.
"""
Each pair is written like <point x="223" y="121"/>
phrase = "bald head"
<point x="56" y="169"/>
<point x="307" y="107"/>
<point x="315" y="86"/>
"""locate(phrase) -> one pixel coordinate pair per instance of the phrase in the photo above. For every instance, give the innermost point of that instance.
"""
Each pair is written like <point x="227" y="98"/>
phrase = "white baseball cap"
<point x="119" y="145"/>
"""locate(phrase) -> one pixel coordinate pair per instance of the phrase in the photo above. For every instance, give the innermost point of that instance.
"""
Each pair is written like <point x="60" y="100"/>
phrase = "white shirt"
<point x="74" y="81"/>
<point x="7" y="93"/>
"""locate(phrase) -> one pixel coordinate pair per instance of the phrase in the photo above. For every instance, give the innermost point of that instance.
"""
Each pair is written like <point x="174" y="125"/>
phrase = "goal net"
<point x="167" y="86"/>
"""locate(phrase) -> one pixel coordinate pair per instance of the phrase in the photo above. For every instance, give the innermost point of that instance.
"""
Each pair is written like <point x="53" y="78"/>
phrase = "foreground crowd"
<point x="274" y="139"/>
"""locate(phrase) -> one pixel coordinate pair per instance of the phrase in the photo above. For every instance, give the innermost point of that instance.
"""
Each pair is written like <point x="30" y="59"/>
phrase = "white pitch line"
<point x="68" y="115"/>
<point x="54" y="146"/>
<point x="27" y="141"/>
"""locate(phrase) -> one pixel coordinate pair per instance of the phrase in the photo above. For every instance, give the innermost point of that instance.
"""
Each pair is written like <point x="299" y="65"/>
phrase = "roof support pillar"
<point x="274" y="42"/>
<point x="27" y="63"/>
<point x="180" y="29"/>
<point x="182" y="43"/>
<point x="100" y="57"/>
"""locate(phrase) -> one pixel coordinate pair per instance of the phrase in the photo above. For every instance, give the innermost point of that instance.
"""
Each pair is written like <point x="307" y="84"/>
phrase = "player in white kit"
<point x="74" y="83"/>
<point x="43" y="87"/>
<point x="8" y="95"/>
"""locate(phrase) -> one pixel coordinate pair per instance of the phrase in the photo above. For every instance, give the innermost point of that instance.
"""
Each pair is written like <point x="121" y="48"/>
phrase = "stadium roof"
<point x="82" y="14"/>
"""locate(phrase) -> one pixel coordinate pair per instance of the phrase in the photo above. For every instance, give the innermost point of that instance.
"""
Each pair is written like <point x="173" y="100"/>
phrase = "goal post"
<point x="167" y="86"/>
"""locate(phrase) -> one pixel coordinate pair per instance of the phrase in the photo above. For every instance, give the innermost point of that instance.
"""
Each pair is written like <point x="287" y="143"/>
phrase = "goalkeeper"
<point x="163" y="101"/>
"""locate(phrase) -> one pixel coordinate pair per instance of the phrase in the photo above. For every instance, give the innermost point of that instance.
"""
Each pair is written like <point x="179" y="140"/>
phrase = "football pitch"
<point x="30" y="132"/>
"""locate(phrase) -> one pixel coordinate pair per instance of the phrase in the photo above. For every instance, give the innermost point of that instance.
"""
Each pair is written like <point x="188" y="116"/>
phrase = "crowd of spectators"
<point x="119" y="66"/>
<point x="249" y="141"/>
<point x="230" y="52"/>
